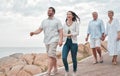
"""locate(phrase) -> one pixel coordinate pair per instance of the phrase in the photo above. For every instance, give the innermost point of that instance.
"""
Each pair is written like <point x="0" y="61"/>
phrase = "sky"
<point x="19" y="17"/>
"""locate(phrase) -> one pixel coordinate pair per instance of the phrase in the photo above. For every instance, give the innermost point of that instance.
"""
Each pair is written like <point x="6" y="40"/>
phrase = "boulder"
<point x="32" y="69"/>
<point x="2" y="74"/>
<point x="17" y="55"/>
<point x="24" y="73"/>
<point x="28" y="58"/>
<point x="15" y="70"/>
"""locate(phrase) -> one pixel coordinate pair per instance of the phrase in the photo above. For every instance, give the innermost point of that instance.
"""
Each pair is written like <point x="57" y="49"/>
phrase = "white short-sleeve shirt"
<point x="50" y="28"/>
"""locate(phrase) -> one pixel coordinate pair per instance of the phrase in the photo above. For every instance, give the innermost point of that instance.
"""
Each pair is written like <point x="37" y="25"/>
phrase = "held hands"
<point x="86" y="39"/>
<point x="102" y="38"/>
<point x="118" y="38"/>
<point x="60" y="43"/>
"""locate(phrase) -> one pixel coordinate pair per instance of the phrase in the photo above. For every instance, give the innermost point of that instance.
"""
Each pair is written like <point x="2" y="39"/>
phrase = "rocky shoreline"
<point x="30" y="64"/>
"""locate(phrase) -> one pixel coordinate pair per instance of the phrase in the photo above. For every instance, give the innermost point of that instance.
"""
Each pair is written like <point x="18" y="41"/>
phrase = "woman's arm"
<point x="76" y="30"/>
<point x="106" y="31"/>
<point x="118" y="29"/>
<point x="66" y="35"/>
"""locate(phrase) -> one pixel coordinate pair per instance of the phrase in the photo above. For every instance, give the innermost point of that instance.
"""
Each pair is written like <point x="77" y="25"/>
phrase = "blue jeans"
<point x="73" y="47"/>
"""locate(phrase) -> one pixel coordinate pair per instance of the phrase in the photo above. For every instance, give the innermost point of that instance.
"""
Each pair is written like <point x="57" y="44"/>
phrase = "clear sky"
<point x="19" y="17"/>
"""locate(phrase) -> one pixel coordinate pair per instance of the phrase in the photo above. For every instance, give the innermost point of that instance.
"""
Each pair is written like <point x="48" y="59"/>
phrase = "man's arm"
<point x="103" y="31"/>
<point x="39" y="30"/>
<point x="60" y="36"/>
<point x="87" y="37"/>
<point x="88" y="32"/>
<point x="60" y="30"/>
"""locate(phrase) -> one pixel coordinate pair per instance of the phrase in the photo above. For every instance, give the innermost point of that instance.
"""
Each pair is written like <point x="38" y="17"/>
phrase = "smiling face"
<point x="110" y="14"/>
<point x="95" y="15"/>
<point x="51" y="12"/>
<point x="69" y="15"/>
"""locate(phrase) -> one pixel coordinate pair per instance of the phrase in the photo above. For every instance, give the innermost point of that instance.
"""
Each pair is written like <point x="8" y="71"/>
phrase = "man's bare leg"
<point x="50" y="65"/>
<point x="100" y="54"/>
<point x="54" y="66"/>
<point x="115" y="59"/>
<point x="94" y="54"/>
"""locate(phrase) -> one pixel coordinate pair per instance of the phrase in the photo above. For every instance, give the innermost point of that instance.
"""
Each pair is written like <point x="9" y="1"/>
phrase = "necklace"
<point x="69" y="23"/>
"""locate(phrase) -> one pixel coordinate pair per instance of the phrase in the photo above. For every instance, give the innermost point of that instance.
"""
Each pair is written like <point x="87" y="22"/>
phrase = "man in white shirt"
<point x="96" y="30"/>
<point x="53" y="36"/>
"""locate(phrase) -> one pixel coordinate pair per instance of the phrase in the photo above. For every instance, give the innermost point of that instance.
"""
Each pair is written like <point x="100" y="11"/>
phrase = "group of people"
<point x="55" y="34"/>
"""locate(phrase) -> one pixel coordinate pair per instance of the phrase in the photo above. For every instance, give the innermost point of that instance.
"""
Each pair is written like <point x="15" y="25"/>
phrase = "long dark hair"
<point x="75" y="17"/>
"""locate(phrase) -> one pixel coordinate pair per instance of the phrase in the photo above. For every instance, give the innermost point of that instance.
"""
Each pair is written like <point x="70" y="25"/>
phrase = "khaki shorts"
<point x="51" y="49"/>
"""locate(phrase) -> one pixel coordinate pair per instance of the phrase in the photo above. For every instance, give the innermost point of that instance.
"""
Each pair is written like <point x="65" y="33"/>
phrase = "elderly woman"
<point x="113" y="33"/>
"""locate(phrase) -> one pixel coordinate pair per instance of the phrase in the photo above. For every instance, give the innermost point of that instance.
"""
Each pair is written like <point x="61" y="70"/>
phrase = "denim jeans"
<point x="73" y="47"/>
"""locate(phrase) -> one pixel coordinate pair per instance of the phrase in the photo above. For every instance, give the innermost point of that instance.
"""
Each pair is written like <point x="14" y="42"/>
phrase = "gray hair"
<point x="110" y="11"/>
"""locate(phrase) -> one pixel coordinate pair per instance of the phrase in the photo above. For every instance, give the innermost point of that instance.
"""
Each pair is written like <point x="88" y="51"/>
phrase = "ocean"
<point x="6" y="51"/>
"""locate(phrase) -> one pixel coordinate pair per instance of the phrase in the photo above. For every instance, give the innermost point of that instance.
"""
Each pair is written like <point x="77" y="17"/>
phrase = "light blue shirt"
<point x="96" y="28"/>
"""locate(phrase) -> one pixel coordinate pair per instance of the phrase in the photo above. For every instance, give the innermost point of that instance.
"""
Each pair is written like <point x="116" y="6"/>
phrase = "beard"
<point x="50" y="14"/>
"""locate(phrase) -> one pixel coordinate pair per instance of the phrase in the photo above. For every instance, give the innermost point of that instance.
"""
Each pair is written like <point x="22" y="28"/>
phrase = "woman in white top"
<point x="70" y="33"/>
<point x="113" y="33"/>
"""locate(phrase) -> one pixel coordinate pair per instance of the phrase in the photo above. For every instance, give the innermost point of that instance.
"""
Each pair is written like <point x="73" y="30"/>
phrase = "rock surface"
<point x="30" y="64"/>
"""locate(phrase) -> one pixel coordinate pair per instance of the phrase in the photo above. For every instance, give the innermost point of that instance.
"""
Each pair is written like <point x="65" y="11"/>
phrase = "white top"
<point x="74" y="28"/>
<point x="50" y="28"/>
<point x="111" y="31"/>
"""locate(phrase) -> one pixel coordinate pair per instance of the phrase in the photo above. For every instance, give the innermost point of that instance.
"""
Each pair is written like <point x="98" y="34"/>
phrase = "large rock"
<point x="7" y="62"/>
<point x="15" y="70"/>
<point x="24" y="73"/>
<point x="17" y="55"/>
<point x="29" y="58"/>
<point x="32" y="69"/>
<point x="84" y="49"/>
<point x="41" y="61"/>
<point x="31" y="64"/>
<point x="2" y="74"/>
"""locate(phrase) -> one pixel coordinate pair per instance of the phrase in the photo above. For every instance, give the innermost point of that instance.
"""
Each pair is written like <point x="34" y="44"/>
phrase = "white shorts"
<point x="95" y="43"/>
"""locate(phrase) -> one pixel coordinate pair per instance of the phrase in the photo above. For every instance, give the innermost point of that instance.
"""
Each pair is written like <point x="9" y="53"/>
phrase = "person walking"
<point x="53" y="36"/>
<point x="113" y="33"/>
<point x="70" y="33"/>
<point x="96" y="30"/>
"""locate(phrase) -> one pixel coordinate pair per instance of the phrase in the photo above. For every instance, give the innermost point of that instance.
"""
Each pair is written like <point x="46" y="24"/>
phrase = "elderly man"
<point x="96" y="30"/>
